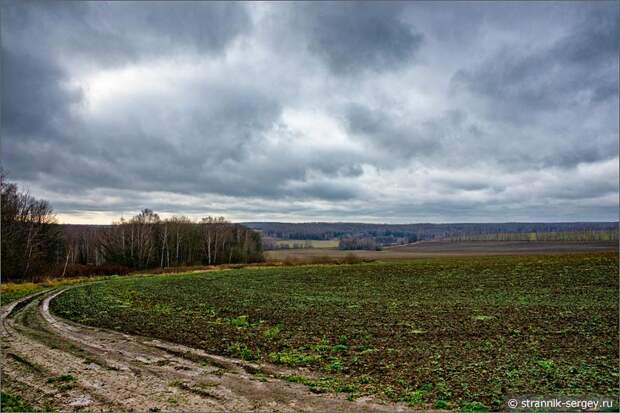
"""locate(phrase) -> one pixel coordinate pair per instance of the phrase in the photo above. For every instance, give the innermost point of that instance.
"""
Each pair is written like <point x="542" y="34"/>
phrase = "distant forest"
<point x="386" y="234"/>
<point x="35" y="246"/>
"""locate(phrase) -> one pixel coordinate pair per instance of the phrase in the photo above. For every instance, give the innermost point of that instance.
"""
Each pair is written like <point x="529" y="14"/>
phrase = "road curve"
<point x="60" y="365"/>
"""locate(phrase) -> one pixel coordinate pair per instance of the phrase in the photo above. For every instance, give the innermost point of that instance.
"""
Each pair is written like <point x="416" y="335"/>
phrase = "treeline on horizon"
<point x="385" y="234"/>
<point x="34" y="246"/>
<point x="581" y="235"/>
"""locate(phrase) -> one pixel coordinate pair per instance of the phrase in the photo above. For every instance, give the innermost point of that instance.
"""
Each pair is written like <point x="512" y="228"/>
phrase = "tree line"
<point x="31" y="240"/>
<point x="34" y="245"/>
<point x="146" y="241"/>
<point x="394" y="233"/>
<point x="273" y="244"/>
<point x="351" y="243"/>
<point x="581" y="235"/>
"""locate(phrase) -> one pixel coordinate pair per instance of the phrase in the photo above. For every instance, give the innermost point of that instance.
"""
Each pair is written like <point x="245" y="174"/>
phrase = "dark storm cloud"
<point x="356" y="36"/>
<point x="32" y="94"/>
<point x="352" y="111"/>
<point x="39" y="38"/>
<point x="589" y="152"/>
<point x="113" y="33"/>
<point x="567" y="88"/>
<point x="399" y="137"/>
<point x="577" y="69"/>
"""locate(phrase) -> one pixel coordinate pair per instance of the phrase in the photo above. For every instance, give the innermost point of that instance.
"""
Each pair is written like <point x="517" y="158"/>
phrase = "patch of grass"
<point x="483" y="317"/>
<point x="17" y="291"/>
<point x="413" y="398"/>
<point x="339" y="348"/>
<point x="322" y="384"/>
<point x="11" y="291"/>
<point x="294" y="358"/>
<point x="242" y="351"/>
<point x="240" y="321"/>
<point x="262" y="377"/>
<point x="14" y="403"/>
<point x="272" y="332"/>
<point x="458" y="331"/>
<point x="474" y="407"/>
<point x="323" y="346"/>
<point x="545" y="364"/>
<point x="63" y="378"/>
<point x="335" y="365"/>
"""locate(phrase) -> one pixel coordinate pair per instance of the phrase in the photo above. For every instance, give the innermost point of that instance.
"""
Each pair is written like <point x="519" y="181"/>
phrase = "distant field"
<point x="584" y="235"/>
<point x="458" y="333"/>
<point x="446" y="248"/>
<point x="330" y="243"/>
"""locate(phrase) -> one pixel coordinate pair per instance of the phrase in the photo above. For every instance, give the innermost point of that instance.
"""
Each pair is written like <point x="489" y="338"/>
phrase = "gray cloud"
<point x="367" y="111"/>
<point x="33" y="95"/>
<point x="357" y="35"/>
<point x="401" y="138"/>
<point x="577" y="70"/>
<point x="560" y="94"/>
<point x="115" y="33"/>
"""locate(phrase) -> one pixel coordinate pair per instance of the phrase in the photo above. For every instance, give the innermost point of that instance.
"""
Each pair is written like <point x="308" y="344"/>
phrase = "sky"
<point x="364" y="112"/>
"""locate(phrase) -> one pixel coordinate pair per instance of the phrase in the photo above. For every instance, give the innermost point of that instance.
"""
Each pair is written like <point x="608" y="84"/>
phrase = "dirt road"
<point x="60" y="365"/>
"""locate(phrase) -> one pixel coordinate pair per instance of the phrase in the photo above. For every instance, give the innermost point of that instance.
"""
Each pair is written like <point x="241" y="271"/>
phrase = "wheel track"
<point x="121" y="372"/>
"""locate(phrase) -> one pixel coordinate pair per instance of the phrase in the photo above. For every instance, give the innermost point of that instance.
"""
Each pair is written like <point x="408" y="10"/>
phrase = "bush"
<point x="352" y="259"/>
<point x="290" y="260"/>
<point x="321" y="259"/>
<point x="81" y="270"/>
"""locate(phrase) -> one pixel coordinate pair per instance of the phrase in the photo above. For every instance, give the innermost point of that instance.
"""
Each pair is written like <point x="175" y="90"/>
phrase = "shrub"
<point x="81" y="270"/>
<point x="352" y="259"/>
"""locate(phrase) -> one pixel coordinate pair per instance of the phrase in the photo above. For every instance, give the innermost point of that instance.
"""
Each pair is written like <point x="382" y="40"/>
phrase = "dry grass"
<point x="314" y="259"/>
<point x="12" y="291"/>
<point x="319" y="244"/>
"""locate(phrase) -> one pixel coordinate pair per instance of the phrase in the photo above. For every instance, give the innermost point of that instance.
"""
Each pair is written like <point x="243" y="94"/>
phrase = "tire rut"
<point x="66" y="366"/>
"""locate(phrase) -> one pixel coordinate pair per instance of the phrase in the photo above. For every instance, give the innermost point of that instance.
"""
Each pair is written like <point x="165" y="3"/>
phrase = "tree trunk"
<point x="64" y="270"/>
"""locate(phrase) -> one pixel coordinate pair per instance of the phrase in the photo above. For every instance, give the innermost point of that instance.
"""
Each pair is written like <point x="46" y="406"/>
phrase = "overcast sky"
<point x="368" y="112"/>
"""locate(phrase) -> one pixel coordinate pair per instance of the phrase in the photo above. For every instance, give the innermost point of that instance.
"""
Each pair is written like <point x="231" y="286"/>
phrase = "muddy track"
<point x="61" y="365"/>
